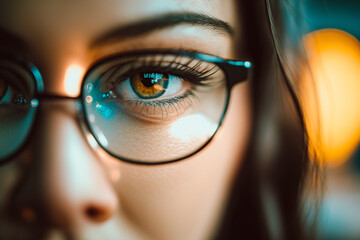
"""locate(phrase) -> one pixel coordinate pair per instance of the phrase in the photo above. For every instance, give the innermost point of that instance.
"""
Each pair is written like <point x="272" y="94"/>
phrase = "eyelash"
<point x="191" y="74"/>
<point x="197" y="75"/>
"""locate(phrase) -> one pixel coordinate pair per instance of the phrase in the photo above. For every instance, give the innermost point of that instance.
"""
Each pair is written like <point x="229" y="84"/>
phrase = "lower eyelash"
<point x="161" y="110"/>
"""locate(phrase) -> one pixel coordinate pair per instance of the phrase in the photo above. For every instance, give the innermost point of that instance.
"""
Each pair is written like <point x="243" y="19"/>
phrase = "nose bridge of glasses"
<point x="69" y="105"/>
<point x="236" y="71"/>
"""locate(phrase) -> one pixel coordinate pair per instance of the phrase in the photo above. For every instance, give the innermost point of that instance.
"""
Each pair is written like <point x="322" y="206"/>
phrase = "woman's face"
<point x="59" y="186"/>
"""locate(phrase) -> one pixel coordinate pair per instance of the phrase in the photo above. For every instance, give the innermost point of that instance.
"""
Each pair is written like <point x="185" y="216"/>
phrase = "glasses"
<point x="146" y="107"/>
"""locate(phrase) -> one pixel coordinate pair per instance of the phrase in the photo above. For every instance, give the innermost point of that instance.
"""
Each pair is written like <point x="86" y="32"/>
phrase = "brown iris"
<point x="3" y="88"/>
<point x="149" y="85"/>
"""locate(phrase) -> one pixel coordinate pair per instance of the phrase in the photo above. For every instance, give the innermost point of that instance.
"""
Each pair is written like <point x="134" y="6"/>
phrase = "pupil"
<point x="150" y="79"/>
<point x="148" y="82"/>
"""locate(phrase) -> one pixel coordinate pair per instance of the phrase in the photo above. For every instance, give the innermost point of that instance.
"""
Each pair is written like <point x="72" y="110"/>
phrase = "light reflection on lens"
<point x="34" y="103"/>
<point x="104" y="110"/>
<point x="91" y="140"/>
<point x="89" y="99"/>
<point x="101" y="137"/>
<point x="89" y="86"/>
<point x="193" y="127"/>
<point x="91" y="118"/>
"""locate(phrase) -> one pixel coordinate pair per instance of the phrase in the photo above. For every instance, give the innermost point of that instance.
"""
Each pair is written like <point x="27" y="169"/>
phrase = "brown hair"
<point x="267" y="198"/>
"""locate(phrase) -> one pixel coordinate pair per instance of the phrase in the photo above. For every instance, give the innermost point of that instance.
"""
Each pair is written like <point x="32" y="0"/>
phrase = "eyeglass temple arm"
<point x="238" y="71"/>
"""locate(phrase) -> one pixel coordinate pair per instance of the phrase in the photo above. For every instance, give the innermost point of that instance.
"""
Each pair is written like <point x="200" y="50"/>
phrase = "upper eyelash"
<point x="175" y="67"/>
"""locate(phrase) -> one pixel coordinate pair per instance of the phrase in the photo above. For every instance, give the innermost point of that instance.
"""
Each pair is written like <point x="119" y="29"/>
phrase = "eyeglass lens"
<point x="154" y="107"/>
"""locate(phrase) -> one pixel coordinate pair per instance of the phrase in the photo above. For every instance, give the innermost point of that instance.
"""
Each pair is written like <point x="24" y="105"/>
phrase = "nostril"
<point x="93" y="212"/>
<point x="97" y="213"/>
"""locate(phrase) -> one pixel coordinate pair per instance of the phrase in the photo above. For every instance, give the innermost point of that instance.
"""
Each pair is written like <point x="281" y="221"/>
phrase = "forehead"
<point x="86" y="17"/>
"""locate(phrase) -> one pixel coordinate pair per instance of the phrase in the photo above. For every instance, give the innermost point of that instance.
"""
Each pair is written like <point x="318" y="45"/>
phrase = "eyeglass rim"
<point x="235" y="71"/>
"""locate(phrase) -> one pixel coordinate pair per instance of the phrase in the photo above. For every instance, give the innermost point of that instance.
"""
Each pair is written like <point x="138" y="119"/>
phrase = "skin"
<point x="57" y="183"/>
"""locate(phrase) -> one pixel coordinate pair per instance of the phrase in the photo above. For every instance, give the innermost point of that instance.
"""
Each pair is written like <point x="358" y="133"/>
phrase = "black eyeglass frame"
<point x="235" y="72"/>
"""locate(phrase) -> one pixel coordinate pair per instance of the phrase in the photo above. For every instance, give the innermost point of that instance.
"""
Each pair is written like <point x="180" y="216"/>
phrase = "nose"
<point x="64" y="183"/>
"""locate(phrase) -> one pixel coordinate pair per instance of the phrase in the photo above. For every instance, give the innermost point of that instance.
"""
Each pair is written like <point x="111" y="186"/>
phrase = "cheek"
<point x="185" y="198"/>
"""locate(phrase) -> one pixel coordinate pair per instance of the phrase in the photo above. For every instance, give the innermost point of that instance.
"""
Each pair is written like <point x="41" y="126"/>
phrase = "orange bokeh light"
<point x="333" y="116"/>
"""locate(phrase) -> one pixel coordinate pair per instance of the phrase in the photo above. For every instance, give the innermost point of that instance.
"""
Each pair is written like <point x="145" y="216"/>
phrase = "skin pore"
<point x="59" y="186"/>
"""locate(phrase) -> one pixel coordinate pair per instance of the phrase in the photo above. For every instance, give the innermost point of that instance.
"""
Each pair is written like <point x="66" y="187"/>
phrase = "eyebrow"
<point x="152" y="24"/>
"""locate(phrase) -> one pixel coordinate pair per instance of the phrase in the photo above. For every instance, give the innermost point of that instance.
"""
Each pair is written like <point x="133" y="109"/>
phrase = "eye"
<point x="150" y="87"/>
<point x="153" y="95"/>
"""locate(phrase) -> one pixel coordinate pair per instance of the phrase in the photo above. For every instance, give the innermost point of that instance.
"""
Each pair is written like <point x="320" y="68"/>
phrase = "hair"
<point x="266" y="201"/>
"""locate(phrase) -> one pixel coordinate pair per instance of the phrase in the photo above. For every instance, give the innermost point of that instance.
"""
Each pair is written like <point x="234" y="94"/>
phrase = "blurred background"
<point x="333" y="48"/>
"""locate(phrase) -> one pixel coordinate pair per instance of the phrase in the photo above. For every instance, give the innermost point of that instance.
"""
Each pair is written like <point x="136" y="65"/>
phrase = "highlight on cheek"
<point x="73" y="78"/>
